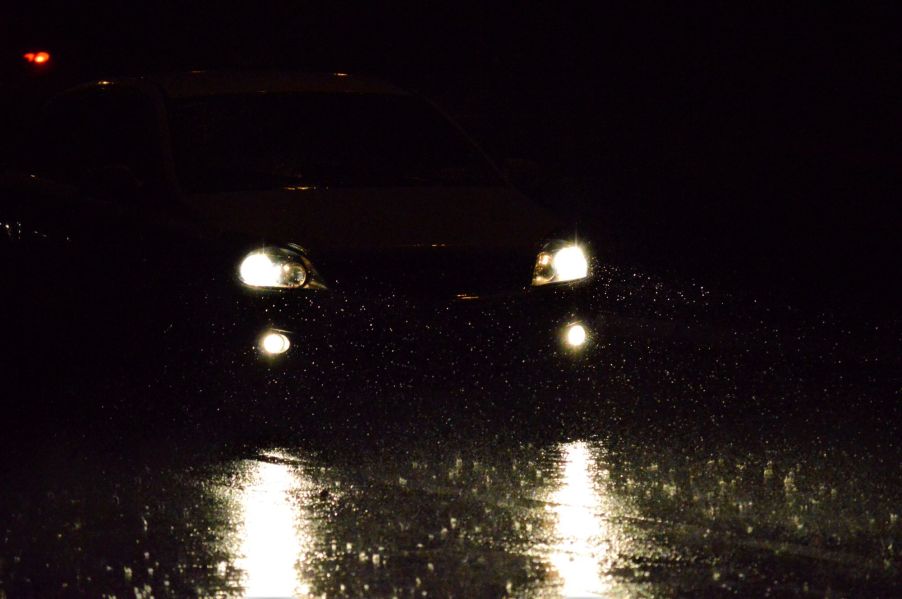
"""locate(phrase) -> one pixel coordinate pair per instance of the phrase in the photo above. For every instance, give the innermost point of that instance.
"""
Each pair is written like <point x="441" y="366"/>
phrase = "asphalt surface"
<point x="712" y="446"/>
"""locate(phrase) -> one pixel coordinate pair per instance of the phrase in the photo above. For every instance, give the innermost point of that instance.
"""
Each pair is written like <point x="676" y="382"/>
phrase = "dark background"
<point x="757" y="149"/>
<point x="754" y="152"/>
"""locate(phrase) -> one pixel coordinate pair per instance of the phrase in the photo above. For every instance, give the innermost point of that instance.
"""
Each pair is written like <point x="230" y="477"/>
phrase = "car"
<point x="297" y="223"/>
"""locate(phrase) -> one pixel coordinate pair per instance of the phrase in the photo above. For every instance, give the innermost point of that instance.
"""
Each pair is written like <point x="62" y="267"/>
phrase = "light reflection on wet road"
<point x="581" y="533"/>
<point x="274" y="547"/>
<point x="565" y="534"/>
<point x="586" y="518"/>
<point x="273" y="536"/>
<point x="561" y="520"/>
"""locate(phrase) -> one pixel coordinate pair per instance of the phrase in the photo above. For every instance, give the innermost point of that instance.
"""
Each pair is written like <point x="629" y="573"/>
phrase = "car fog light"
<point x="274" y="343"/>
<point x="575" y="335"/>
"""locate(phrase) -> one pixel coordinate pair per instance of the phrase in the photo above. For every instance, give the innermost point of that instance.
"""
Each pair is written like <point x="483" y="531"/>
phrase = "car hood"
<point x="357" y="219"/>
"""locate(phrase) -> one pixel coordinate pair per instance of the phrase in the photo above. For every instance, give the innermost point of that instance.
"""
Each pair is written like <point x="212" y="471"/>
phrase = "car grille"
<point x="428" y="272"/>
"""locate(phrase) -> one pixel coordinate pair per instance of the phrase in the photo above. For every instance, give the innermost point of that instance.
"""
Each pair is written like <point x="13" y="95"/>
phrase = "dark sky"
<point x="707" y="78"/>
<point x="675" y="47"/>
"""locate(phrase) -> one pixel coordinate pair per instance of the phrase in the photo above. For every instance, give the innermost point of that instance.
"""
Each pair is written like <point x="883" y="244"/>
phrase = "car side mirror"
<point x="111" y="183"/>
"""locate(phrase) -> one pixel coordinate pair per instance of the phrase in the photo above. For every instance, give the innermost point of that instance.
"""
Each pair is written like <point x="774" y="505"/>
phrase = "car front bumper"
<point x="332" y="332"/>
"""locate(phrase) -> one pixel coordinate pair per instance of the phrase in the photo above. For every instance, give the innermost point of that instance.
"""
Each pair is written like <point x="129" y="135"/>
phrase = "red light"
<point x="37" y="57"/>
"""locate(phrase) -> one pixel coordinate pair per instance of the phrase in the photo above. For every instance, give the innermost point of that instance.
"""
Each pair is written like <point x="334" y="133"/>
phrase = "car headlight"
<point x="276" y="268"/>
<point x="560" y="263"/>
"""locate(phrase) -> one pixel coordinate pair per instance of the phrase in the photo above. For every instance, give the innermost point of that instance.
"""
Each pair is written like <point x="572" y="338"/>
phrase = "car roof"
<point x="214" y="83"/>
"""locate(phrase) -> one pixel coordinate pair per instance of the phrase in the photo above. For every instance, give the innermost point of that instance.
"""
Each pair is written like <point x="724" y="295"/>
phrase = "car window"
<point x="269" y="141"/>
<point x="82" y="133"/>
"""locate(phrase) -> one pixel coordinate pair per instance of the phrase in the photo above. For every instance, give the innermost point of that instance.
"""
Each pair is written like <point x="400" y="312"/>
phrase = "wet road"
<point x="580" y="518"/>
<point x="752" y="458"/>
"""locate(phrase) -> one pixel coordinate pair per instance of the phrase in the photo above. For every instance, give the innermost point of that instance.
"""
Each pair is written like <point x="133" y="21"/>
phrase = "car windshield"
<point x="272" y="141"/>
